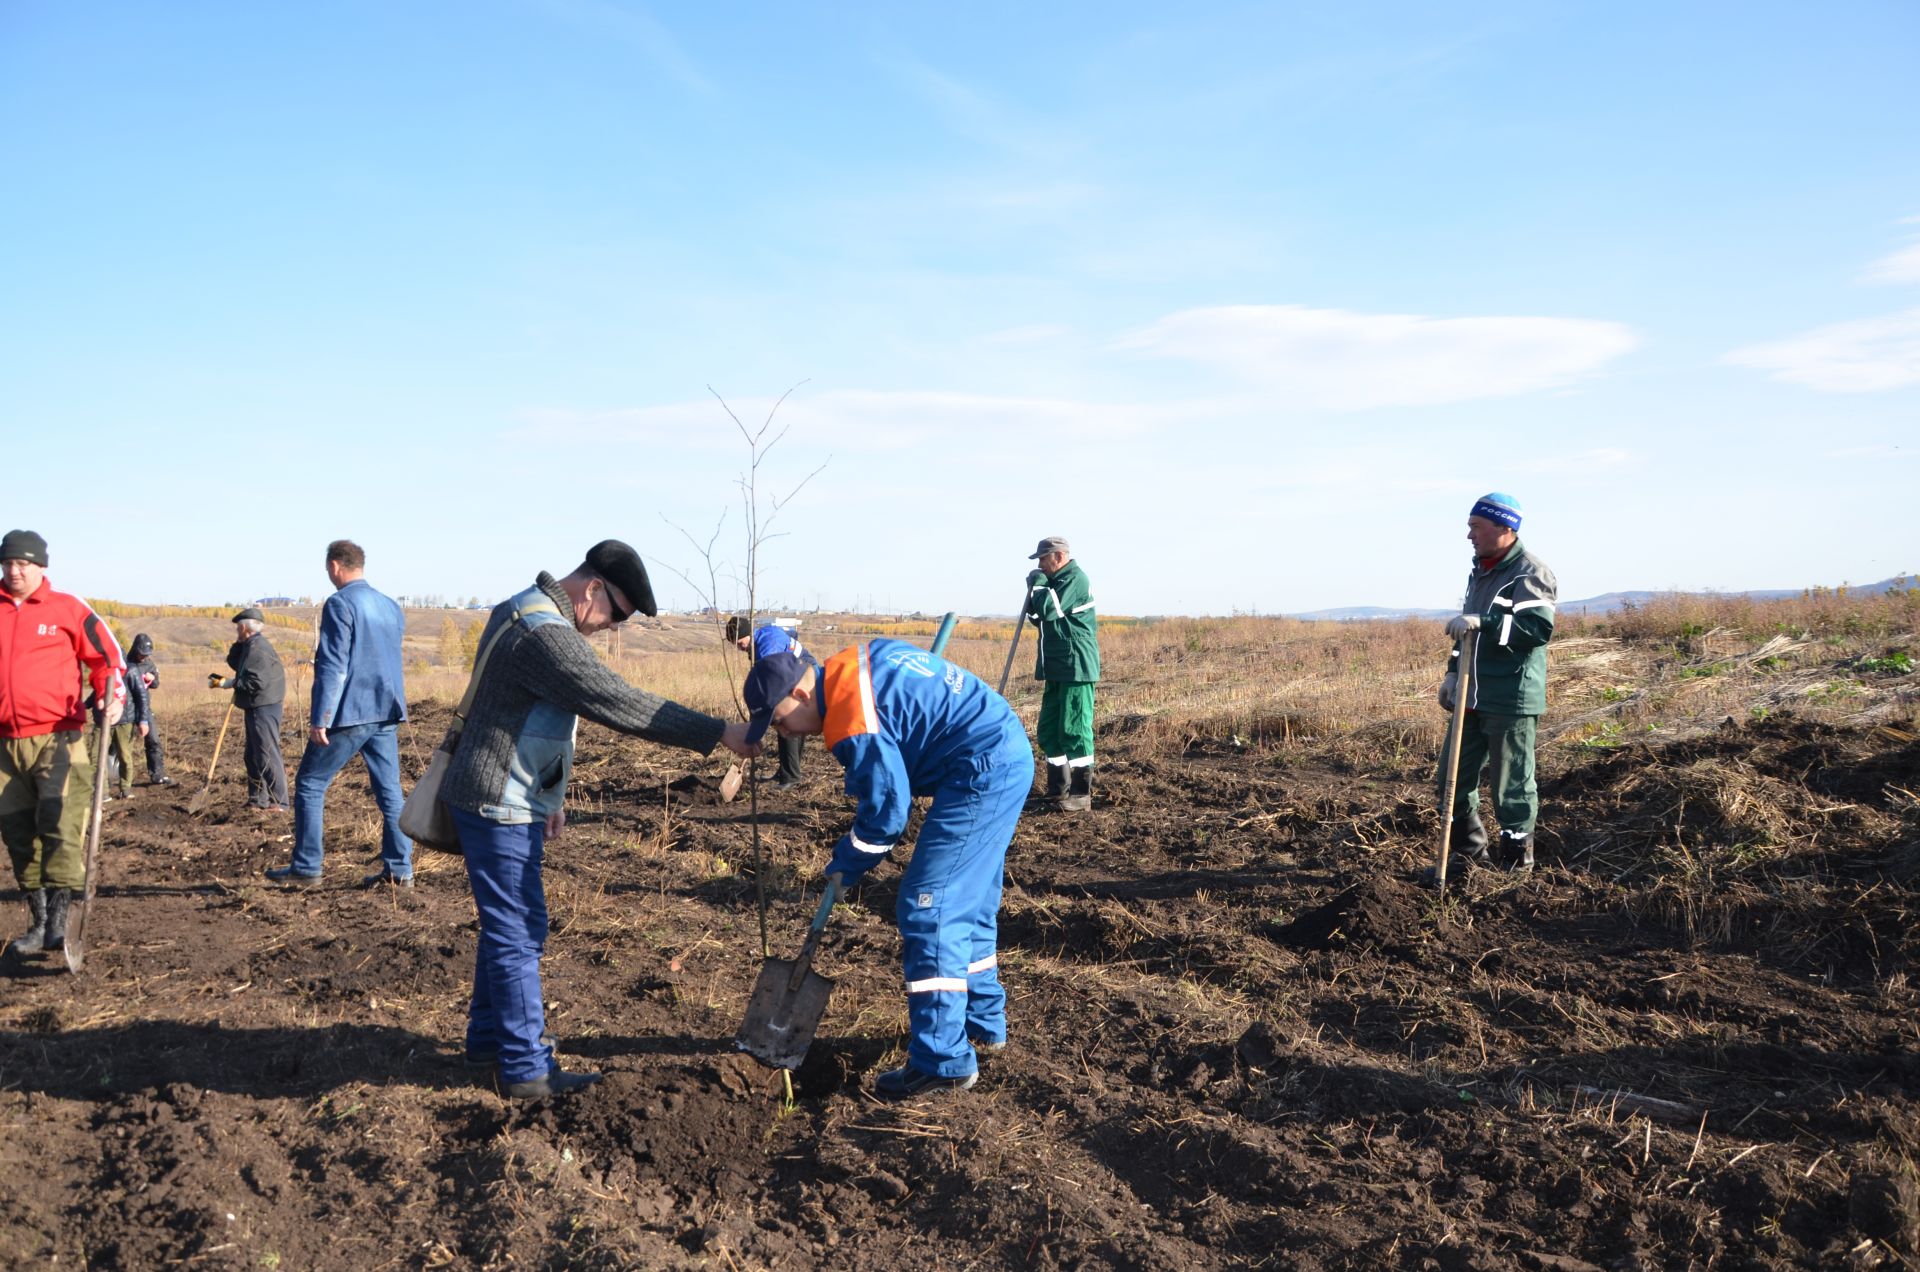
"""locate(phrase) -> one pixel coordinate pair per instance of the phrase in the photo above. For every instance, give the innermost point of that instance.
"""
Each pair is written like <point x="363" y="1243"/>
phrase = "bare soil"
<point x="1242" y="1034"/>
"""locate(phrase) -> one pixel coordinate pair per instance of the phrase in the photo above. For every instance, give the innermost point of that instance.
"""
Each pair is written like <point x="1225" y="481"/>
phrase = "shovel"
<point x="789" y="999"/>
<point x="1455" y="729"/>
<point x="1019" y="625"/>
<point x="76" y="942"/>
<point x="199" y="801"/>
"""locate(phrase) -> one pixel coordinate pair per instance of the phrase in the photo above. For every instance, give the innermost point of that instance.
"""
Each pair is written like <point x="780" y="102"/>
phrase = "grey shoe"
<point x="553" y="1082"/>
<point x="57" y="918"/>
<point x="906" y="1082"/>
<point x="35" y="938"/>
<point x="987" y="1045"/>
<point x="285" y="877"/>
<point x="379" y="877"/>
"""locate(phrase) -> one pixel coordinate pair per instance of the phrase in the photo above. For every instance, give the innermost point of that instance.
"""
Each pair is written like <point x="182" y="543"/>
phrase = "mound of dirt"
<point x="1381" y="914"/>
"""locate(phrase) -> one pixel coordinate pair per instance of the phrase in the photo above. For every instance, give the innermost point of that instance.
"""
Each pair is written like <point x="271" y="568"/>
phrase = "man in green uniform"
<point x="1509" y="601"/>
<point x="1060" y="601"/>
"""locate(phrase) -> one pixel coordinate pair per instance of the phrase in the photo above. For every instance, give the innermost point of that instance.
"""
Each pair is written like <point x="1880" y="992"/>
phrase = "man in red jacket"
<point x="47" y="639"/>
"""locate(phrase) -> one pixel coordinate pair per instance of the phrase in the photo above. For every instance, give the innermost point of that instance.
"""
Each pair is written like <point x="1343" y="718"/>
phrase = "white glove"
<point x="1460" y="624"/>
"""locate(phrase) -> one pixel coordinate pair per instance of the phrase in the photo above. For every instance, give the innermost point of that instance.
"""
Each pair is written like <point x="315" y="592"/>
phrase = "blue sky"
<point x="1248" y="301"/>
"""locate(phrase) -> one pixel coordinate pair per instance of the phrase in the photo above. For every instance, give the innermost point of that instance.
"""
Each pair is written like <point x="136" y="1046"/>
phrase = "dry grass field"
<point x="1243" y="1036"/>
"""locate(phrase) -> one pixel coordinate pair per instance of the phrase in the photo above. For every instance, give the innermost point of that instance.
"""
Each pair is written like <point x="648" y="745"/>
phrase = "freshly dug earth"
<point x="1241" y="1035"/>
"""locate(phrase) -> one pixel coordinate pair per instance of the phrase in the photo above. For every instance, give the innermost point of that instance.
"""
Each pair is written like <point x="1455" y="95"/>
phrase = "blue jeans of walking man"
<point x="378" y="748"/>
<point x="503" y="865"/>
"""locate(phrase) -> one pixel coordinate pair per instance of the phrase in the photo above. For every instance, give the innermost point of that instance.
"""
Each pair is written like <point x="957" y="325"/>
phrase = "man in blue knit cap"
<point x="1509" y="601"/>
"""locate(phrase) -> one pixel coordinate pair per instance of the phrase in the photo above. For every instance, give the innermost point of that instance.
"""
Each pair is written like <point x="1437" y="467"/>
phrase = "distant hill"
<point x="1605" y="603"/>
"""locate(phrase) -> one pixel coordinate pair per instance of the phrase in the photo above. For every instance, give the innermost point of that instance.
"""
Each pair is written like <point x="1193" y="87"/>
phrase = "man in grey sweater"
<point x="506" y="787"/>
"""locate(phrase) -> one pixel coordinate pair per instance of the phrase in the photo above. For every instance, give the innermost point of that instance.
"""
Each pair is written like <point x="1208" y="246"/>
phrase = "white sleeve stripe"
<point x="864" y="846"/>
<point x="938" y="984"/>
<point x="1527" y="605"/>
<point x="869" y="716"/>
<point x="1506" y="628"/>
<point x="1076" y="609"/>
<point x="981" y="965"/>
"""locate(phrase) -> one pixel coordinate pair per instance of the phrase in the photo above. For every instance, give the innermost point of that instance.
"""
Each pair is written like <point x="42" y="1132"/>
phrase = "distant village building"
<point x="265" y="601"/>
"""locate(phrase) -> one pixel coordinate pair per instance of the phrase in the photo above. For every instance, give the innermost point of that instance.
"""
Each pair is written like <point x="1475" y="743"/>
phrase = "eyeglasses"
<point x="614" y="611"/>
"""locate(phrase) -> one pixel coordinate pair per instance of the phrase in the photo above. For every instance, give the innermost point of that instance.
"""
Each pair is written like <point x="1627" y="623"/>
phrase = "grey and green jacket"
<point x="516" y="752"/>
<point x="1515" y="603"/>
<point x="1069" y="635"/>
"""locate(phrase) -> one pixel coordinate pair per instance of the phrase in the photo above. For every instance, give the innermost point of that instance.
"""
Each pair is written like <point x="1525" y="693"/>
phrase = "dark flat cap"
<point x="252" y="612"/>
<point x="620" y="565"/>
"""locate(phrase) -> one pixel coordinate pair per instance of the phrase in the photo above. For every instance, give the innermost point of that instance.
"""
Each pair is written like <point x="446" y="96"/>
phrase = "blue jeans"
<point x="949" y="911"/>
<point x="503" y="865"/>
<point x="378" y="748"/>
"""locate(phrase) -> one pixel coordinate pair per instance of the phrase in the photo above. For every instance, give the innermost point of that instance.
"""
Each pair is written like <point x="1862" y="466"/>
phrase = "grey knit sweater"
<point x="553" y="663"/>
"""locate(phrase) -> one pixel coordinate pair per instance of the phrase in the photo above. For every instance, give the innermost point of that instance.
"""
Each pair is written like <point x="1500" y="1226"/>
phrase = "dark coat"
<point x="259" y="677"/>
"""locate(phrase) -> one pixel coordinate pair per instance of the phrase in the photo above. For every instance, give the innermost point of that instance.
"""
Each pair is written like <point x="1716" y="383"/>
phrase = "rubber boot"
<point x="1079" y="796"/>
<point x="35" y="939"/>
<point x="1467" y="842"/>
<point x="1517" y="850"/>
<point x="1056" y="785"/>
<point x="57" y="918"/>
<point x="1470" y="838"/>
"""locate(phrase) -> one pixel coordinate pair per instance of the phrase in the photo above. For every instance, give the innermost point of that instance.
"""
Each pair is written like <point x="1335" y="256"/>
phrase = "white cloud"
<point x="1902" y="266"/>
<point x="1341" y="360"/>
<point x="1864" y="356"/>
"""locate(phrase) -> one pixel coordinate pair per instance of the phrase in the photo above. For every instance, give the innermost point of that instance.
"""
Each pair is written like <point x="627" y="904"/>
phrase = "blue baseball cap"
<point x="771" y="678"/>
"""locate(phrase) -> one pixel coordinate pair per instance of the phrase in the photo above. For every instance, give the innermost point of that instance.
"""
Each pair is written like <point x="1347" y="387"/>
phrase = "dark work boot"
<point x="1470" y="838"/>
<point x="57" y="918"/>
<point x="555" y="1081"/>
<point x="1517" y="850"/>
<point x="35" y="939"/>
<point x="1056" y="785"/>
<point x="1079" y="796"/>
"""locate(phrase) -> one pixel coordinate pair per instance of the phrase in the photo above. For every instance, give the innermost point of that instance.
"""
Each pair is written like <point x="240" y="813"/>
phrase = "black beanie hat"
<point x="620" y="565"/>
<point x="24" y="545"/>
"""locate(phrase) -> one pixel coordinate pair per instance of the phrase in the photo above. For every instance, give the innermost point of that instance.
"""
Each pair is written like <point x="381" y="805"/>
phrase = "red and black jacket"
<point x="46" y="641"/>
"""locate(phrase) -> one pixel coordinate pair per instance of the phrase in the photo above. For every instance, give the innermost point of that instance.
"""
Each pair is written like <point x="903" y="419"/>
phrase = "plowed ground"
<point x="1242" y="1036"/>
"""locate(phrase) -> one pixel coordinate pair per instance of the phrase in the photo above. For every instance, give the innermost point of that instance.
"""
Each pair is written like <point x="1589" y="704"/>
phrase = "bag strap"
<point x="480" y="664"/>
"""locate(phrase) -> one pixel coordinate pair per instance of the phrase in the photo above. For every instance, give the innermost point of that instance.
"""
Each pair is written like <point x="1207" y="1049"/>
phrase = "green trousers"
<point x="1504" y="745"/>
<point x="125" y="744"/>
<point x="1066" y="722"/>
<point x="46" y="792"/>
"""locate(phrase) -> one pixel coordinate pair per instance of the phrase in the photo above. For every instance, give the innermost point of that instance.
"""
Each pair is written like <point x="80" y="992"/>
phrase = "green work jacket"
<point x="1069" y="637"/>
<point x="1515" y="603"/>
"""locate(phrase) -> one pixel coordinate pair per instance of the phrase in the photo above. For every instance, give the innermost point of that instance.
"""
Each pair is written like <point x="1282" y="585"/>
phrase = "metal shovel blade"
<point x="76" y="944"/>
<point x="781" y="1021"/>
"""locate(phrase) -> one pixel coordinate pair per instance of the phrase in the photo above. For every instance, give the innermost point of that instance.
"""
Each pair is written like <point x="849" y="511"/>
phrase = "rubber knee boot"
<point x="1079" y="796"/>
<point x="1518" y="851"/>
<point x="1056" y="784"/>
<point x="1470" y="838"/>
<point x="35" y="939"/>
<point x="57" y="918"/>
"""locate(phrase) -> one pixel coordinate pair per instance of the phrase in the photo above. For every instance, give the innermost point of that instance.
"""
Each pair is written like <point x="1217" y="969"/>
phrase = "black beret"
<point x="620" y="565"/>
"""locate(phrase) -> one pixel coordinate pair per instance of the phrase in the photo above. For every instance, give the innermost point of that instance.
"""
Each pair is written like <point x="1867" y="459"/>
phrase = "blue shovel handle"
<point x="804" y="964"/>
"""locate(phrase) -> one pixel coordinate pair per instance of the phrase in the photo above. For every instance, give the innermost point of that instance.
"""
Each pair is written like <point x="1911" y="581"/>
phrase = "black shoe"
<point x="379" y="877"/>
<point x="286" y="877"/>
<point x="1518" y="850"/>
<point x="162" y="780"/>
<point x="553" y="1082"/>
<point x="488" y="1059"/>
<point x="906" y="1082"/>
<point x="35" y="938"/>
<point x="1056" y="786"/>
<point x="57" y="918"/>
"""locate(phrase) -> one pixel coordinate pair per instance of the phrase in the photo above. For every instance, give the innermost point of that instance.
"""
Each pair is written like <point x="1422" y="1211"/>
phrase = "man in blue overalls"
<point x="904" y="723"/>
